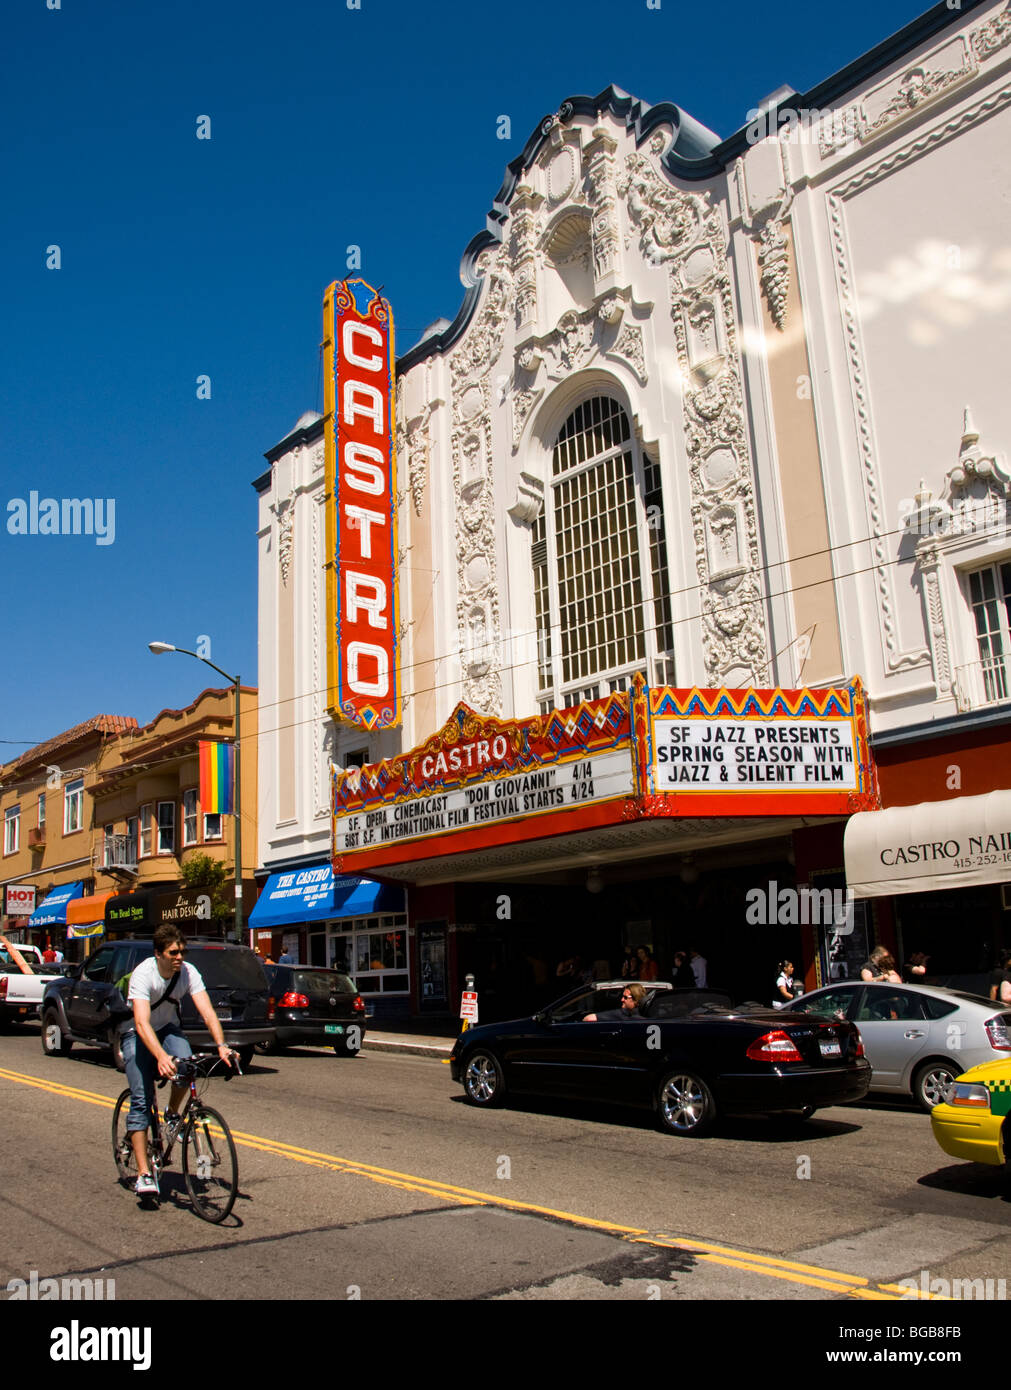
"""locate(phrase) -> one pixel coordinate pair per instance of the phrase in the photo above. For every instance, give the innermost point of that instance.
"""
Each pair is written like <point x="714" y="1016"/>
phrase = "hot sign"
<point x="362" y="644"/>
<point x="19" y="899"/>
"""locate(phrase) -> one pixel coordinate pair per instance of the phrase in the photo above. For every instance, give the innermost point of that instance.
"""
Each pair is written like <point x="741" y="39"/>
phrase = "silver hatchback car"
<point x="917" y="1038"/>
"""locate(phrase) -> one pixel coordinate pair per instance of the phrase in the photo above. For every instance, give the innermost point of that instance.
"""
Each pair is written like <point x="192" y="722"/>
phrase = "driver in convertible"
<point x="631" y="997"/>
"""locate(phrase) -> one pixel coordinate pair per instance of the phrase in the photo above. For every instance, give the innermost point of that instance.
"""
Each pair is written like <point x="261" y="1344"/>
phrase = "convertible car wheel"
<point x="483" y="1082"/>
<point x="685" y="1104"/>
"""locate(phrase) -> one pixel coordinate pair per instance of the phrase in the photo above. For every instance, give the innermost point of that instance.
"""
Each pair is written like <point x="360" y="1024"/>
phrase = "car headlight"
<point x="965" y="1093"/>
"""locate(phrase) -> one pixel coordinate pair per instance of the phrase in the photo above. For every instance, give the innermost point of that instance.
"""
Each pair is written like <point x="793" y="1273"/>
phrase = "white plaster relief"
<point x="881" y="545"/>
<point x="630" y="348"/>
<point x="916" y="88"/>
<point x="974" y="508"/>
<point x="767" y="232"/>
<point x="471" y="371"/>
<point x="684" y="230"/>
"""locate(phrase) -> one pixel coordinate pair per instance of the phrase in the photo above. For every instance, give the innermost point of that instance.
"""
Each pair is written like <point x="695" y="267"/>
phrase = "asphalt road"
<point x="369" y="1178"/>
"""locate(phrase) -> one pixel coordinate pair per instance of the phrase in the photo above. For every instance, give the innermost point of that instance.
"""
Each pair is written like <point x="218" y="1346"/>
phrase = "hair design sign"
<point x="363" y="657"/>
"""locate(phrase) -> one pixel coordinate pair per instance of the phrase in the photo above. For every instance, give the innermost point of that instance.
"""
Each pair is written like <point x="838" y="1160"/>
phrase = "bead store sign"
<point x="361" y="518"/>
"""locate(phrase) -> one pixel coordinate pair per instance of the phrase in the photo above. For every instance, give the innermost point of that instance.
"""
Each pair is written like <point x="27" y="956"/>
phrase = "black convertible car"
<point x="690" y="1056"/>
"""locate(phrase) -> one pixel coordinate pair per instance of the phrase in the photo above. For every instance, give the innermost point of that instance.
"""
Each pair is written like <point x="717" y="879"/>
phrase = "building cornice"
<point x="693" y="154"/>
<point x="830" y="90"/>
<point x="977" y="722"/>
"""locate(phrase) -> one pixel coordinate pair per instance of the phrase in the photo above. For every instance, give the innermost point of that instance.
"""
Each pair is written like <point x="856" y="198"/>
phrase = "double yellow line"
<point x="833" y="1281"/>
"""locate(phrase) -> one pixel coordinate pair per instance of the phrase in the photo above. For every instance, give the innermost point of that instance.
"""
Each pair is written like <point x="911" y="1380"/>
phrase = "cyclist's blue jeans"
<point x="142" y="1070"/>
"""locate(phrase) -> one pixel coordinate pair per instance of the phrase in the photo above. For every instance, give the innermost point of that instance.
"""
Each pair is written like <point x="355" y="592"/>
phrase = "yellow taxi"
<point x="972" y="1122"/>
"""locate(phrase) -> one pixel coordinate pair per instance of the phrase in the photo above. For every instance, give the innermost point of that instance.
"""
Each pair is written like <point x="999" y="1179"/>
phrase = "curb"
<point x="415" y="1049"/>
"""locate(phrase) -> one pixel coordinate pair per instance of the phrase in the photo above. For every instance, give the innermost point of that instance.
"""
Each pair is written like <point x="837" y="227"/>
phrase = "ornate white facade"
<point x="794" y="327"/>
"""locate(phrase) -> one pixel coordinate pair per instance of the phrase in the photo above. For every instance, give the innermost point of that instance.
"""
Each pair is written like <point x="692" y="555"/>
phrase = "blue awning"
<point x="52" y="911"/>
<point x="310" y="895"/>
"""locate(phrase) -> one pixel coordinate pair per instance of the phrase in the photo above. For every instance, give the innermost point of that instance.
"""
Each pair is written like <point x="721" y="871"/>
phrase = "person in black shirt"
<point x="915" y="968"/>
<point x="631" y="997"/>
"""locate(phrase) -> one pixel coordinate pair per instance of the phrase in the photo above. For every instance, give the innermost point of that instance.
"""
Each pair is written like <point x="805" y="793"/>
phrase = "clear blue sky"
<point x="183" y="257"/>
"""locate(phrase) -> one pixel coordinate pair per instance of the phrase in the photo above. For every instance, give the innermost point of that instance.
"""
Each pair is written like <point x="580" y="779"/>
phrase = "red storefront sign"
<point x="361" y="522"/>
<point x="19" y="899"/>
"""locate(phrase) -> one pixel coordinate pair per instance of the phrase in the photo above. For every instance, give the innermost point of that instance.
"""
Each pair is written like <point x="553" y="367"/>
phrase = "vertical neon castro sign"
<point x="363" y="656"/>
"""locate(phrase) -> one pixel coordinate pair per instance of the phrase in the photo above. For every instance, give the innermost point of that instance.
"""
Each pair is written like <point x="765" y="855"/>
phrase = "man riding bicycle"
<point x="153" y="1039"/>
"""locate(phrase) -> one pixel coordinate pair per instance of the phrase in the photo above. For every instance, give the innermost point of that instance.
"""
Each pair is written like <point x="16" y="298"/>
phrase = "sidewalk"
<point x="419" y="1038"/>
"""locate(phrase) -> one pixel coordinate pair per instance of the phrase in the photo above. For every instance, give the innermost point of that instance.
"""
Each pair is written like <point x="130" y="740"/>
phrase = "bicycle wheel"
<point x="210" y="1167"/>
<point x="122" y="1149"/>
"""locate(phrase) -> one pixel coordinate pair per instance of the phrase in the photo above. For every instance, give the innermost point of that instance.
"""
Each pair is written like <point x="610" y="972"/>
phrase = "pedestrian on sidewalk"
<point x="915" y="968"/>
<point x="700" y="967"/>
<point x="1000" y="978"/>
<point x="648" y="968"/>
<point x="880" y="967"/>
<point x="683" y="977"/>
<point x="786" y="988"/>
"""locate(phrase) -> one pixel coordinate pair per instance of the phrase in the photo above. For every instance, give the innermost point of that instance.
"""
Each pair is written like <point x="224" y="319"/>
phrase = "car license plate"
<point x="333" y="1028"/>
<point x="830" y="1049"/>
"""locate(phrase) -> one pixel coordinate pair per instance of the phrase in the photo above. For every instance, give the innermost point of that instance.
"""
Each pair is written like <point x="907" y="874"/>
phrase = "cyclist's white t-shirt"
<point x="146" y="982"/>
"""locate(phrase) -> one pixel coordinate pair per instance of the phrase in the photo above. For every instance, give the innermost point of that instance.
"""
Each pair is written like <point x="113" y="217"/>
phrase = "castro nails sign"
<point x="363" y="656"/>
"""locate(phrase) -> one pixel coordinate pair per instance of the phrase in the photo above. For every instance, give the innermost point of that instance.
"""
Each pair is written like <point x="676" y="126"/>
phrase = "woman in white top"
<point x="784" y="984"/>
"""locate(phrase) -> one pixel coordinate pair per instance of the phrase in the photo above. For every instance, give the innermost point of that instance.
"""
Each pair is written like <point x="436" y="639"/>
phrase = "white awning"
<point x="938" y="844"/>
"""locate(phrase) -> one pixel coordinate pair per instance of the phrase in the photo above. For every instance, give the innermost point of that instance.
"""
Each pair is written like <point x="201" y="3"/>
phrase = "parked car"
<point x="692" y="1057"/>
<point x="31" y="955"/>
<point x="974" y="1119"/>
<point x="21" y="991"/>
<point x="317" y="1007"/>
<point x="918" y="1038"/>
<point x="79" y="1009"/>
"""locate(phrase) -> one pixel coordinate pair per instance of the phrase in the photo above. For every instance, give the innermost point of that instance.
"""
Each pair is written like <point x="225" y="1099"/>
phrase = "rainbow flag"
<point x="217" y="778"/>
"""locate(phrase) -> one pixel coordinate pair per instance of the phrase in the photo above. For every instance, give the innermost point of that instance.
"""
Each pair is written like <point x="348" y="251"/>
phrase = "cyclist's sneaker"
<point x="146" y="1186"/>
<point x="172" y="1123"/>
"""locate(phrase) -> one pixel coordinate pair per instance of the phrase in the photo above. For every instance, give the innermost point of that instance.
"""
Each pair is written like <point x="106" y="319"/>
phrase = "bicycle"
<point x="210" y="1167"/>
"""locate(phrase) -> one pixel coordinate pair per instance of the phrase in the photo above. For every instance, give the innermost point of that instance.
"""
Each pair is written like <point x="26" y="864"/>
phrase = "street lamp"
<point x="158" y="648"/>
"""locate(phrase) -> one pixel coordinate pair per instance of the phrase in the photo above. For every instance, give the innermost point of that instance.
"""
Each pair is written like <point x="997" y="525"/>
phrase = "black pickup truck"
<point x="77" y="1009"/>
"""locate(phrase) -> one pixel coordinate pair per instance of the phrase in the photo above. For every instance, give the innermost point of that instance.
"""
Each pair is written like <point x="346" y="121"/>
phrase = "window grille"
<point x="601" y="540"/>
<point x="990" y="594"/>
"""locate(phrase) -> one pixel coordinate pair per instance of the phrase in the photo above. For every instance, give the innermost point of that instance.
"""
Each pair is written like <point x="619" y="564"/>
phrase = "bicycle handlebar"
<point x="188" y="1067"/>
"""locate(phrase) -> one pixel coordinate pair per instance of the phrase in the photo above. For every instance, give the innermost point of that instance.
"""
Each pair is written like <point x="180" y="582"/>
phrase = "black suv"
<point x="78" y="1009"/>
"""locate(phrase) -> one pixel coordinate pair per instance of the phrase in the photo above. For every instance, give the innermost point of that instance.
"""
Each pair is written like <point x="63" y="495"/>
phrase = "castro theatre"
<point x="613" y="612"/>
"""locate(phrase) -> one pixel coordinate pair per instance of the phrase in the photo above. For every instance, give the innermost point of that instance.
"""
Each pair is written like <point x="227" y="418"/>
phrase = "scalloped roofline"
<point x="694" y="153"/>
<point x="688" y="155"/>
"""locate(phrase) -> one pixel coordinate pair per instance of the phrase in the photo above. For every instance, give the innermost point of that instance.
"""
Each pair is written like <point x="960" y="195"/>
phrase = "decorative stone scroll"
<point x="974" y="507"/>
<point x="686" y="233"/>
<point x="477" y="580"/>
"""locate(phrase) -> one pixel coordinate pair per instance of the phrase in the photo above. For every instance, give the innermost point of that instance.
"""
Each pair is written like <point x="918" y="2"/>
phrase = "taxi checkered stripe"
<point x="1000" y="1091"/>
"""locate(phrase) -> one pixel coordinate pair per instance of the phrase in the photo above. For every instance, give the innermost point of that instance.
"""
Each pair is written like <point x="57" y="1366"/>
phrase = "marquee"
<point x="481" y="782"/>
